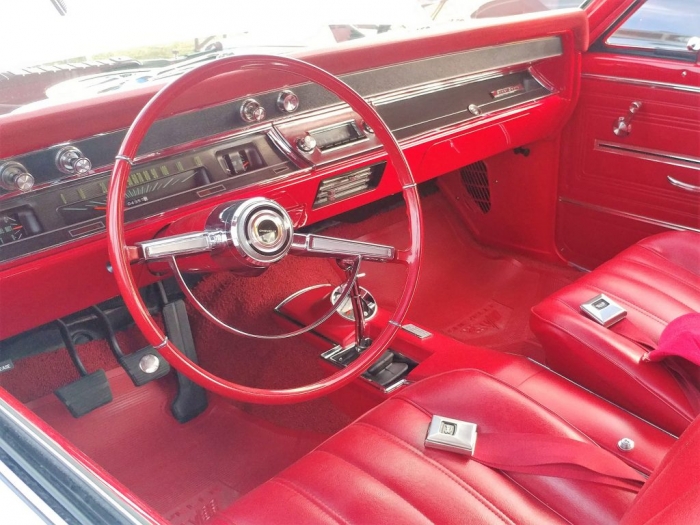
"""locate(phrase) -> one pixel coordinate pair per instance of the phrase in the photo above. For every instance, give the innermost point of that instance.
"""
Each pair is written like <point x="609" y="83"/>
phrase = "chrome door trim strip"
<point x="654" y="155"/>
<point x="627" y="215"/>
<point x="87" y="476"/>
<point x="640" y="82"/>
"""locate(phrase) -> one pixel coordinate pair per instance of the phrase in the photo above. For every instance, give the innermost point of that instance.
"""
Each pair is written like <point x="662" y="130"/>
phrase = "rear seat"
<point x="656" y="281"/>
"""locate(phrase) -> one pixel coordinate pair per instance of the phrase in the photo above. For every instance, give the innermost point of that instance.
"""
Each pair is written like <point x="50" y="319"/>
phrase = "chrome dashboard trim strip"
<point x="640" y="82"/>
<point x="407" y="75"/>
<point x="434" y="87"/>
<point x="654" y="155"/>
<point x="627" y="215"/>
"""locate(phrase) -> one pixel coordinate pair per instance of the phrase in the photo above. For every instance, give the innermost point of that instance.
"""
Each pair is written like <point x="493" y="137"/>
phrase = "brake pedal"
<point x="89" y="392"/>
<point x="142" y="366"/>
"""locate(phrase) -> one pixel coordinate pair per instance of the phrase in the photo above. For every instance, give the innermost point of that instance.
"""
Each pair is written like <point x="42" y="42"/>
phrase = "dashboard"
<point x="295" y="142"/>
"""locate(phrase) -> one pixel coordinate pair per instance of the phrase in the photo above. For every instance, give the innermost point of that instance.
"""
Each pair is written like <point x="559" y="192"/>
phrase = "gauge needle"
<point x="99" y="207"/>
<point x="19" y="227"/>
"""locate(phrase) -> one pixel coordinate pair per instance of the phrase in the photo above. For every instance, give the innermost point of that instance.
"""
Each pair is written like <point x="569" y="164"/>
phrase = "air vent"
<point x="348" y="185"/>
<point x="476" y="180"/>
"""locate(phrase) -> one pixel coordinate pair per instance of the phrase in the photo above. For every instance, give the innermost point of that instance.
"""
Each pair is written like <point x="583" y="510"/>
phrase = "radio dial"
<point x="307" y="143"/>
<point x="14" y="176"/>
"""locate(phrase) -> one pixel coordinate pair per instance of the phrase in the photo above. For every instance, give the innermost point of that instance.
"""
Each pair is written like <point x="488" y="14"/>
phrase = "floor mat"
<point x="469" y="292"/>
<point x="185" y="471"/>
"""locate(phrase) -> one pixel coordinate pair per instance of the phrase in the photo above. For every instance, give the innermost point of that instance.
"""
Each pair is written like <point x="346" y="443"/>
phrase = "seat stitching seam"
<point x="633" y="280"/>
<point x="287" y="483"/>
<point x="478" y="496"/>
<point x="411" y="402"/>
<point x="665" y="272"/>
<point x="628" y="374"/>
<point x="658" y="254"/>
<point x="358" y="467"/>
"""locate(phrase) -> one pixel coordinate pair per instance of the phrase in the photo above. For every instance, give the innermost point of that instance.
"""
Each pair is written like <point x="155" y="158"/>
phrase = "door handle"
<point x="683" y="185"/>
<point x="623" y="125"/>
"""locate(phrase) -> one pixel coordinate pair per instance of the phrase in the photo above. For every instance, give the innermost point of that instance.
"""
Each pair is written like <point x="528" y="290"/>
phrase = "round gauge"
<point x="11" y="229"/>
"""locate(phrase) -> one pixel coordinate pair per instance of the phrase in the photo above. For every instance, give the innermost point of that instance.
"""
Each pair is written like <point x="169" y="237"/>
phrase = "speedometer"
<point x="145" y="190"/>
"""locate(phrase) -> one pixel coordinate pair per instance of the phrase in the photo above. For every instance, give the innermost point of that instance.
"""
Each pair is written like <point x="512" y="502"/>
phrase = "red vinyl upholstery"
<point x="657" y="280"/>
<point x="377" y="470"/>
<point x="672" y="493"/>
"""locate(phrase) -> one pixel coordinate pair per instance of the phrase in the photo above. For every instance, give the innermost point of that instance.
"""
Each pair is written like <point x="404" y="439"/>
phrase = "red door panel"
<point x="616" y="189"/>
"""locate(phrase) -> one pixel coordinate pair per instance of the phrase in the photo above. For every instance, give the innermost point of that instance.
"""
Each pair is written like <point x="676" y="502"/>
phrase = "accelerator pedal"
<point x="142" y="366"/>
<point x="89" y="392"/>
<point x="191" y="399"/>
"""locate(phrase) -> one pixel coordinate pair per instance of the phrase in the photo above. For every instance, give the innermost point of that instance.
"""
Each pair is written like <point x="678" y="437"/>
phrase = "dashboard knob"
<point x="307" y="143"/>
<point x="14" y="176"/>
<point x="71" y="161"/>
<point x="287" y="102"/>
<point x="252" y="110"/>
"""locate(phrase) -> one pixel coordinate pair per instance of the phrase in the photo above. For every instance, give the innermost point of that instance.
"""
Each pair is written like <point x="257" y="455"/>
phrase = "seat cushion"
<point x="656" y="281"/>
<point x="377" y="470"/>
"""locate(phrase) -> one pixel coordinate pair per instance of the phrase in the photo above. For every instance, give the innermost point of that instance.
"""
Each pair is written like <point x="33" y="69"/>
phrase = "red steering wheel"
<point x="122" y="256"/>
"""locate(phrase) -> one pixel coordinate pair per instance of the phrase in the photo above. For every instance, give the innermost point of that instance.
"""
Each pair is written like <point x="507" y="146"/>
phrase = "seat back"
<point x="672" y="493"/>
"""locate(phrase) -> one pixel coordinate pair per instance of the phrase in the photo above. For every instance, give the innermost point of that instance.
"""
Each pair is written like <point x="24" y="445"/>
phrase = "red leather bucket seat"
<point x="656" y="281"/>
<point x="378" y="470"/>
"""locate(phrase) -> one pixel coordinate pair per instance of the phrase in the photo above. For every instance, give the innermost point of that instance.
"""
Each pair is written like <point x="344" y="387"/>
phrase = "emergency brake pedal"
<point x="191" y="399"/>
<point x="89" y="392"/>
<point x="142" y="366"/>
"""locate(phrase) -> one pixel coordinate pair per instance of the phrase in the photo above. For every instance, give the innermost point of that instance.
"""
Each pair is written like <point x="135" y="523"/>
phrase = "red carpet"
<point x="183" y="471"/>
<point x="248" y="303"/>
<point x="41" y="374"/>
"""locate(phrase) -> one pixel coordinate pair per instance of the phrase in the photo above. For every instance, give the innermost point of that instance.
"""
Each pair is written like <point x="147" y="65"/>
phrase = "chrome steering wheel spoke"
<point x="311" y="245"/>
<point x="179" y="245"/>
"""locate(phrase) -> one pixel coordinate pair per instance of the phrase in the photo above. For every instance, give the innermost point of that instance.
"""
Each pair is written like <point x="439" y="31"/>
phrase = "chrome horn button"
<point x="266" y="231"/>
<point x="258" y="230"/>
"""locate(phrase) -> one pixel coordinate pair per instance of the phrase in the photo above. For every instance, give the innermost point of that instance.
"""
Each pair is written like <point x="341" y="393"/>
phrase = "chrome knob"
<point x="252" y="111"/>
<point x="307" y="143"/>
<point x="287" y="102"/>
<point x="14" y="176"/>
<point x="71" y="161"/>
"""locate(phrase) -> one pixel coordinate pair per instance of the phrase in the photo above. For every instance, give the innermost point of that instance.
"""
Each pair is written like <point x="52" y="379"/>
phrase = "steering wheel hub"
<point x="259" y="230"/>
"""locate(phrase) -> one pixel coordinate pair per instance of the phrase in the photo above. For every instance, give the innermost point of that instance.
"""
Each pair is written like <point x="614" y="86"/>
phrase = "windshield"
<point x="62" y="50"/>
